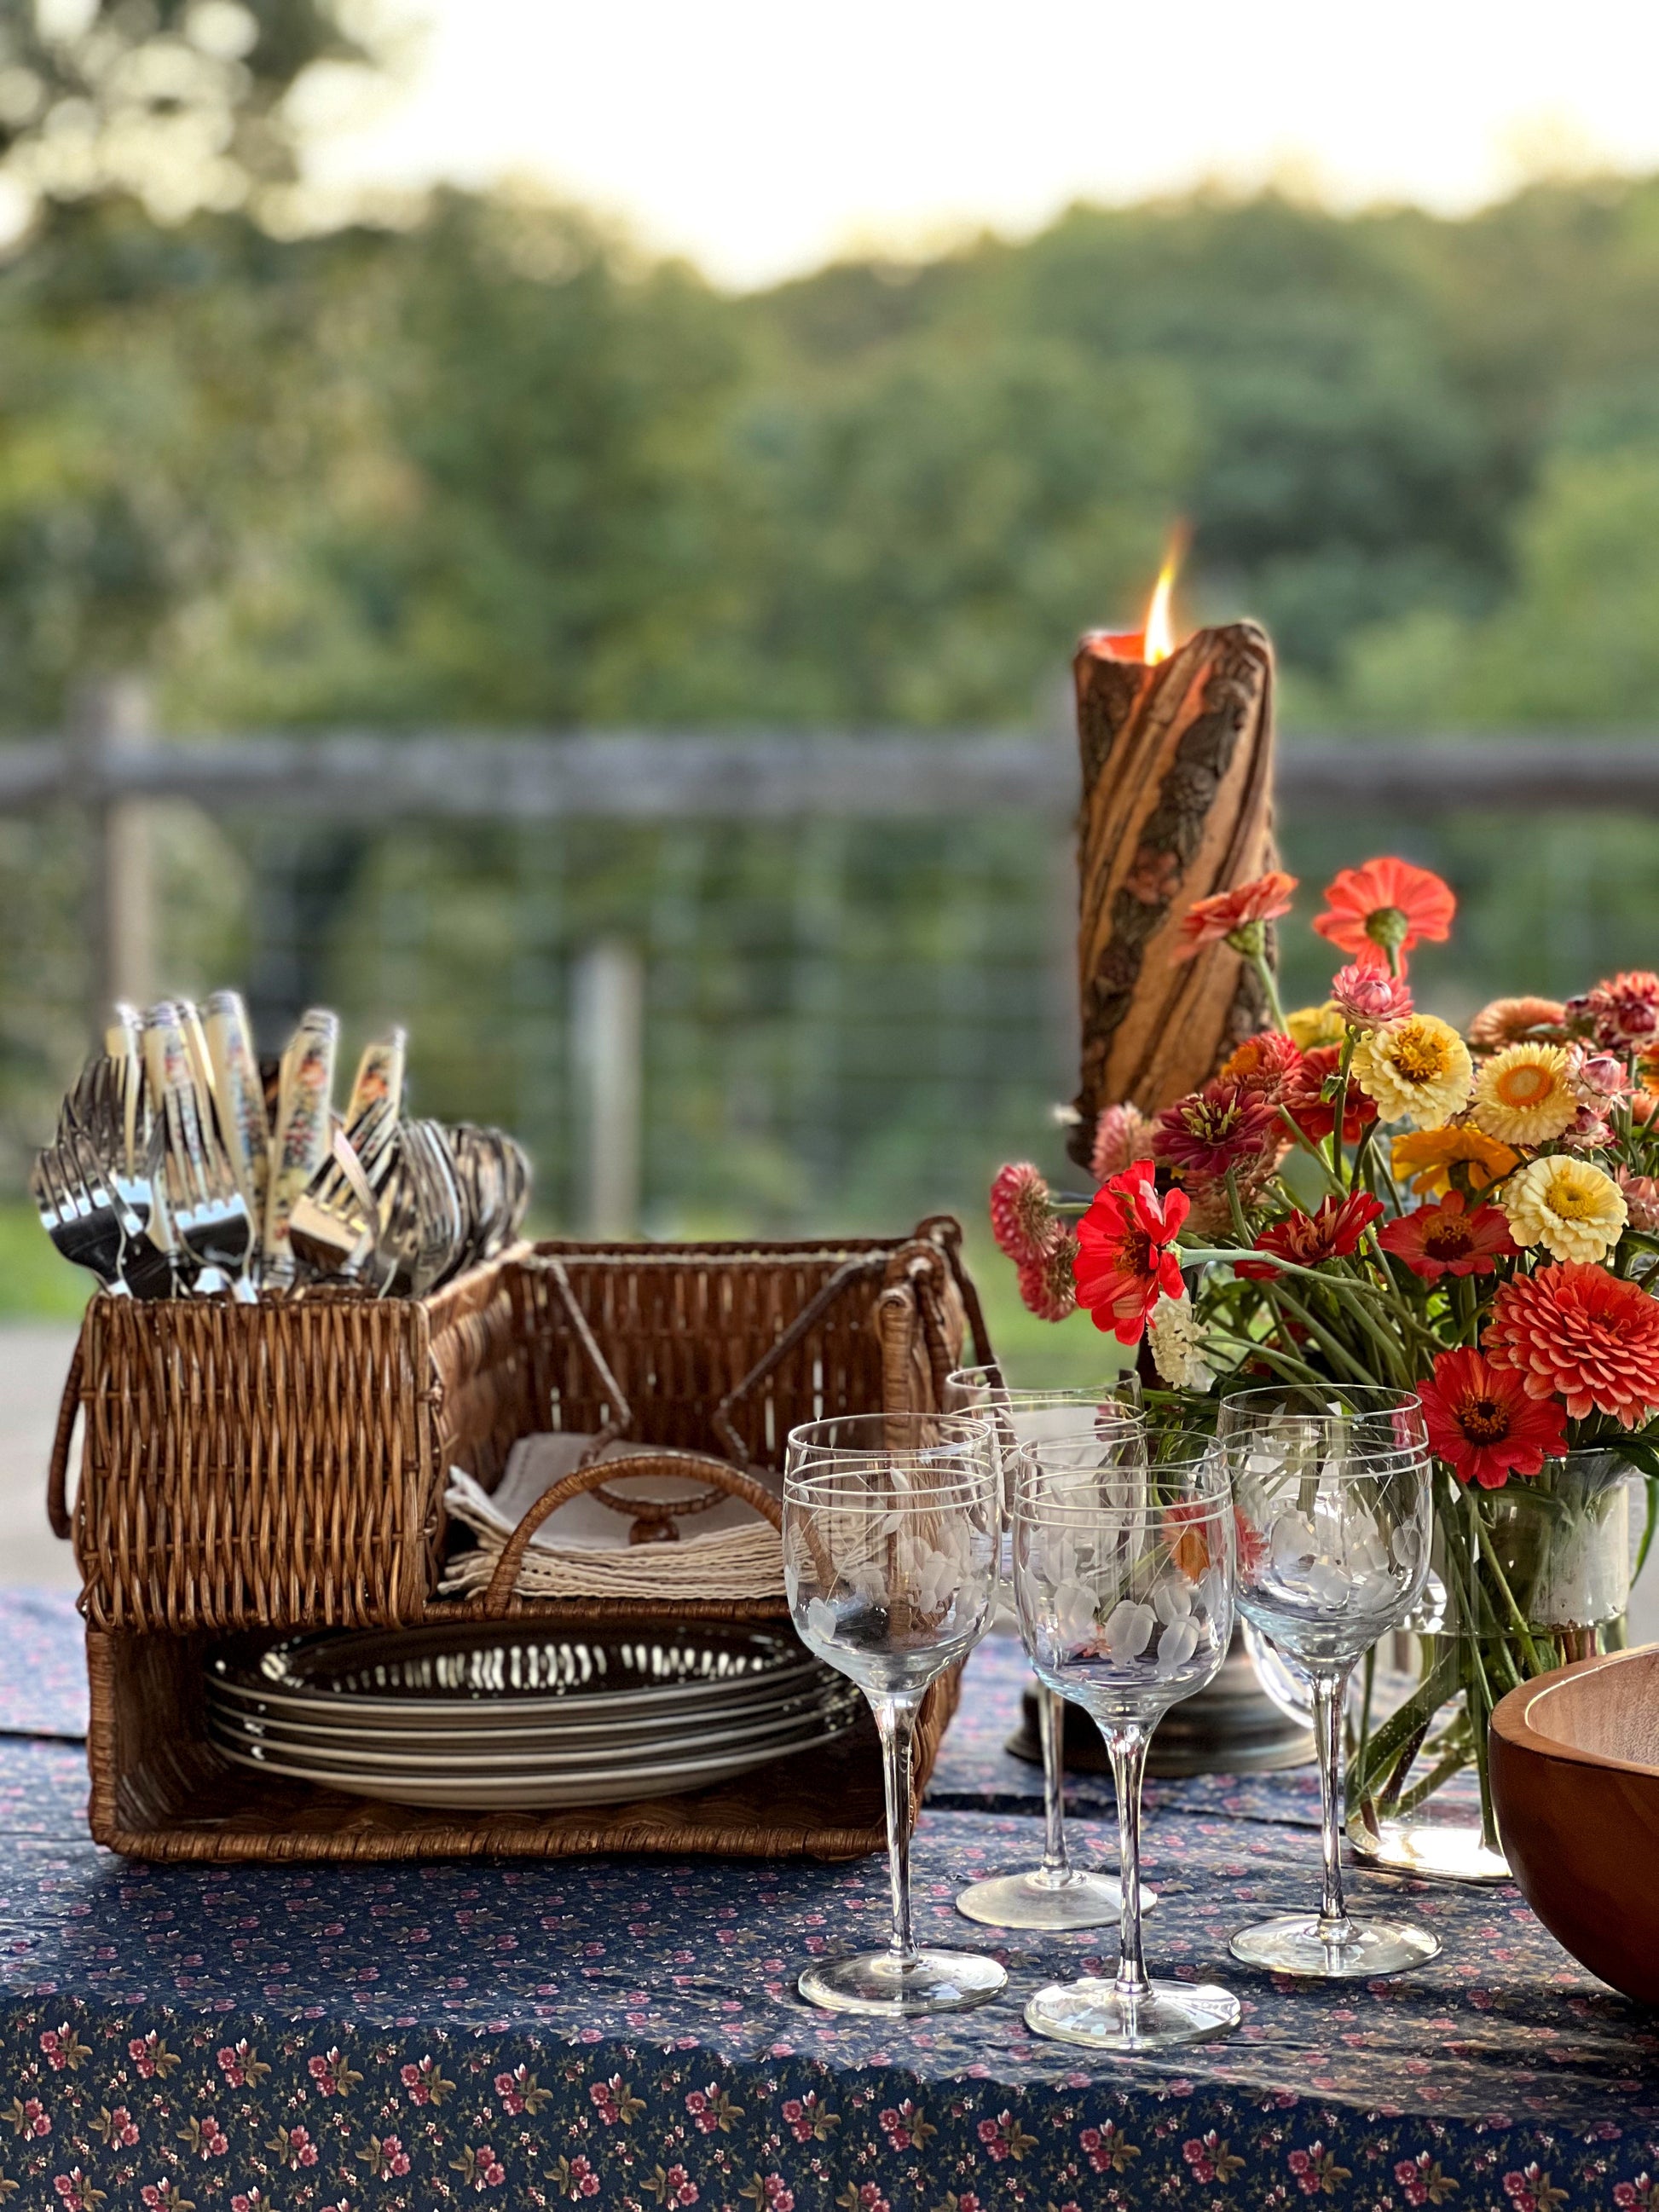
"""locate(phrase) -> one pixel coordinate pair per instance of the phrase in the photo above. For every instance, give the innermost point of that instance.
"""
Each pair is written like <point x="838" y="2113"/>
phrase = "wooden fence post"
<point x="608" y="1023"/>
<point x="110" y="718"/>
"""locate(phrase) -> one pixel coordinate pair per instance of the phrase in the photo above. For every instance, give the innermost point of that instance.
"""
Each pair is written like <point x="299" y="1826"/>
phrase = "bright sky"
<point x="760" y="137"/>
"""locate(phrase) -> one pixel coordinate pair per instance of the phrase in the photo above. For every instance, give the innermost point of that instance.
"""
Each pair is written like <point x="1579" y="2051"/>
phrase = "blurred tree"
<point x="181" y="104"/>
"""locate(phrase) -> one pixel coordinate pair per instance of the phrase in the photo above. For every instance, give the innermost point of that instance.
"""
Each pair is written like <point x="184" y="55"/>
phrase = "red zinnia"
<point x="1623" y="1011"/>
<point x="1022" y="1212"/>
<point x="1483" y="1424"/>
<point x="1125" y="1251"/>
<point x="1222" y="1125"/>
<point x="1387" y="904"/>
<point x="1307" y="1238"/>
<point x="1315" y="1115"/>
<point x="1262" y="1064"/>
<point x="1448" y="1240"/>
<point x="1577" y="1331"/>
<point x="1048" y="1283"/>
<point x="1234" y="913"/>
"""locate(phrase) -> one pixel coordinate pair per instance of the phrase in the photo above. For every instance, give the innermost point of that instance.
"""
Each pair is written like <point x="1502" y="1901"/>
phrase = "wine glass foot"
<point x="1077" y="1898"/>
<point x="1293" y="1944"/>
<point x="1094" y="2013"/>
<point x="885" y="1988"/>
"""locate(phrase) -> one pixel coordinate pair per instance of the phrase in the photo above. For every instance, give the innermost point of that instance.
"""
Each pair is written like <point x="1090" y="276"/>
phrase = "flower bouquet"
<point x="1364" y="1194"/>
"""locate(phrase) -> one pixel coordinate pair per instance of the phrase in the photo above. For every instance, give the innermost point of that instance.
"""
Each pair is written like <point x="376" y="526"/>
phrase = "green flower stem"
<point x="1284" y="1363"/>
<point x="1518" y="1620"/>
<point x="1341" y="1113"/>
<point x="1436" y="1778"/>
<point x="1332" y="1345"/>
<point x="1258" y="959"/>
<point x="1304" y="1143"/>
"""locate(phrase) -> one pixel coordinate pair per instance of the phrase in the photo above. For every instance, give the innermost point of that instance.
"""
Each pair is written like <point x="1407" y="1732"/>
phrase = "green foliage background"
<point x="500" y="468"/>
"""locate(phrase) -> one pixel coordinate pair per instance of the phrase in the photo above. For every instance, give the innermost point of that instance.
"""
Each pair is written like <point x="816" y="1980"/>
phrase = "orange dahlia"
<point x="1575" y="1332"/>
<point x="1022" y="1212"/>
<point x="1237" y="914"/>
<point x="1483" y="1424"/>
<point x="1125" y="1251"/>
<point x="1384" y="908"/>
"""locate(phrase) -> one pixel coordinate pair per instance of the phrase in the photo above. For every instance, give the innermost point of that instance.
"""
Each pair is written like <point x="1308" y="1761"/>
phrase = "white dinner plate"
<point x="547" y="1791"/>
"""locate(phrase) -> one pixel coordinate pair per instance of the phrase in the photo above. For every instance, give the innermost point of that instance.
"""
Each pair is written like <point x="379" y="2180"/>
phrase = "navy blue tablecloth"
<point x="625" y="2033"/>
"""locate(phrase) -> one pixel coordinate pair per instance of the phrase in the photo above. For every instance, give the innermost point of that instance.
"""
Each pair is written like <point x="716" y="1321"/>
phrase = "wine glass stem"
<point x="1051" y="1733"/>
<point x="896" y="1722"/>
<point x="1330" y="1703"/>
<point x="1127" y="1748"/>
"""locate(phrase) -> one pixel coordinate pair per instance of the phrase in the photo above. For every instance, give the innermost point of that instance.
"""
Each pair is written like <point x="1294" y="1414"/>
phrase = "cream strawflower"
<point x="1177" y="1345"/>
<point x="1310" y="1026"/>
<point x="1525" y="1094"/>
<point x="1418" y="1070"/>
<point x="1566" y="1204"/>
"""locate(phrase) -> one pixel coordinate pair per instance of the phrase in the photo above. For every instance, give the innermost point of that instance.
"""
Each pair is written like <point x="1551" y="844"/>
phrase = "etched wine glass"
<point x="1371" y="1415"/>
<point x="1334" y="1536"/>
<point x="891" y="1534"/>
<point x="1123" y="1574"/>
<point x="1053" y="1893"/>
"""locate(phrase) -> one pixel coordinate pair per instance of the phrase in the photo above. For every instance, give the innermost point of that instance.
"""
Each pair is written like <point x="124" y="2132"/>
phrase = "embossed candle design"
<point x="1178" y="747"/>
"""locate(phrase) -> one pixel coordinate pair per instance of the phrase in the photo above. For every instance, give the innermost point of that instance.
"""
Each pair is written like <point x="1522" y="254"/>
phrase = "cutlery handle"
<point x="122" y="1042"/>
<point x="241" y="1095"/>
<point x="303" y="1129"/>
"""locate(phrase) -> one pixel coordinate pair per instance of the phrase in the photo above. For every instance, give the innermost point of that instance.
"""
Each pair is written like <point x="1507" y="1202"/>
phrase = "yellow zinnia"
<point x="1428" y="1158"/>
<point x="1309" y="1027"/>
<point x="1566" y="1204"/>
<point x="1418" y="1070"/>
<point x="1524" y="1095"/>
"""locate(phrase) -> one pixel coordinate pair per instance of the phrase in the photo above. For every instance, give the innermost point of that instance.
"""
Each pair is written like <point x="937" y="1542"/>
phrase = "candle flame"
<point x="1160" y="625"/>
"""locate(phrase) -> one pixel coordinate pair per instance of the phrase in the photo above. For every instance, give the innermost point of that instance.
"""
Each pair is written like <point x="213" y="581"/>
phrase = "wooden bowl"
<point x="1575" y="1779"/>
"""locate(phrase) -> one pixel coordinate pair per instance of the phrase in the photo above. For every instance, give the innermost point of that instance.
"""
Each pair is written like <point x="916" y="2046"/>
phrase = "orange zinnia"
<point x="1233" y="914"/>
<point x="1386" y="906"/>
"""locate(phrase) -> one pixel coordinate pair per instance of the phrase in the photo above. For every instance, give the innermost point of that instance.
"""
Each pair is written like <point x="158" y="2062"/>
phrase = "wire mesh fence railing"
<point x="836" y="998"/>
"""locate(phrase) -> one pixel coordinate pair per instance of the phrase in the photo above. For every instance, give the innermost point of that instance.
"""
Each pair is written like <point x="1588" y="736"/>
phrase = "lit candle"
<point x="1176" y="743"/>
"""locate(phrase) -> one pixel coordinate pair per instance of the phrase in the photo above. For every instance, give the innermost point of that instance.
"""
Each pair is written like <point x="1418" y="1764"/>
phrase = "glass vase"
<point x="1534" y="1575"/>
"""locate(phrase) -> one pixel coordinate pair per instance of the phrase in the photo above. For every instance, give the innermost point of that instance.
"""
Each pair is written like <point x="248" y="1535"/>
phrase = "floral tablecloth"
<point x="625" y="2033"/>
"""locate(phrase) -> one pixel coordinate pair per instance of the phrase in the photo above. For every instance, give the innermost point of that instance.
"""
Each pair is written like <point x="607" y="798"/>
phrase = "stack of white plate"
<point x="480" y="1717"/>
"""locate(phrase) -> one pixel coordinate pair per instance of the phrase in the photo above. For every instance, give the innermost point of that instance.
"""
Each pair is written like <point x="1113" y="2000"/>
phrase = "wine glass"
<point x="891" y="1530"/>
<point x="1369" y="1414"/>
<point x="1333" y="1535"/>
<point x="1053" y="1893"/>
<point x="1123" y="1574"/>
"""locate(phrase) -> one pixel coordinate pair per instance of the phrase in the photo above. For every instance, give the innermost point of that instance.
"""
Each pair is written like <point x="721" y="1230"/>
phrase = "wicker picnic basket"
<point x="283" y="1467"/>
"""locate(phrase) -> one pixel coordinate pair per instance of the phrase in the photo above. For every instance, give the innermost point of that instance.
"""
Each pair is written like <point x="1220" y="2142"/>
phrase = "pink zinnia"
<point x="1222" y="1125"/>
<point x="1623" y="1011"/>
<point x="1022" y="1212"/>
<point x="1122" y="1134"/>
<point x="1368" y="996"/>
<point x="1048" y="1283"/>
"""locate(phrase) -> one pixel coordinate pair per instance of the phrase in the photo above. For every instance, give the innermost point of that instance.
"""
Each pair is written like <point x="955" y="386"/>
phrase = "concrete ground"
<point x="33" y="1361"/>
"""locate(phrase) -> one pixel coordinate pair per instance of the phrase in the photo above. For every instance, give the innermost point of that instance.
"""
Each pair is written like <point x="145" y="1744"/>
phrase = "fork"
<point x="210" y="1214"/>
<point x="87" y="1233"/>
<point x="94" y="1128"/>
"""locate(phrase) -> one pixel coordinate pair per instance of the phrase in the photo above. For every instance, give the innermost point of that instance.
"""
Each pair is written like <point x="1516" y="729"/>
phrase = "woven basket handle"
<point x="684" y="1465"/>
<point x="57" y="1512"/>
